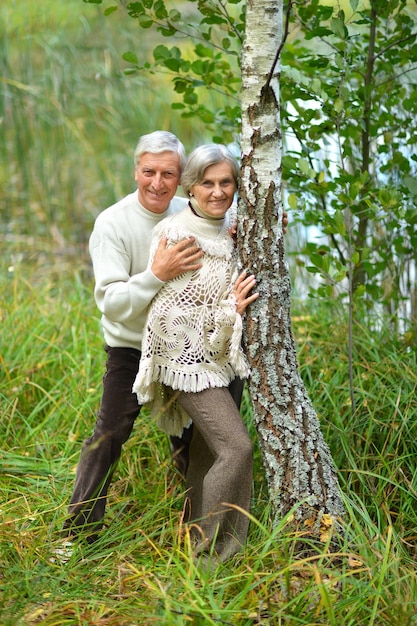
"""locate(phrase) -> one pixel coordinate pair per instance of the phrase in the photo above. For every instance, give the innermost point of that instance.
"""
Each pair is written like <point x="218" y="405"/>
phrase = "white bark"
<point x="297" y="460"/>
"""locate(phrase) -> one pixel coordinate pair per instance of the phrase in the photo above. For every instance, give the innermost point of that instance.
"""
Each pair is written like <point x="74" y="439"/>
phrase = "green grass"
<point x="141" y="571"/>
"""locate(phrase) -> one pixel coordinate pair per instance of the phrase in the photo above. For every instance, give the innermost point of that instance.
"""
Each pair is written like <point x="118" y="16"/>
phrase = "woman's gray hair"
<point x="157" y="142"/>
<point x="201" y="158"/>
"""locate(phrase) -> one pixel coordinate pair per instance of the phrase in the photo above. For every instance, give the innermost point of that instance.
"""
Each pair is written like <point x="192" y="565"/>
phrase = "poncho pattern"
<point x="193" y="333"/>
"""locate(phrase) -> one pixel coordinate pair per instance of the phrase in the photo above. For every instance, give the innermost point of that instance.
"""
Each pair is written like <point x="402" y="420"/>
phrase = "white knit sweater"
<point x="124" y="282"/>
<point x="192" y="338"/>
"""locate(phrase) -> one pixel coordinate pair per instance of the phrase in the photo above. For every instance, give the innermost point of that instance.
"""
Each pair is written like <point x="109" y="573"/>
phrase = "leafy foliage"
<point x="349" y="122"/>
<point x="206" y="56"/>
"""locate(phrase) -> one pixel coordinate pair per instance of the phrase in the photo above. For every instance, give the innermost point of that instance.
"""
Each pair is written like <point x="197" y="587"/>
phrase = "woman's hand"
<point x="243" y="285"/>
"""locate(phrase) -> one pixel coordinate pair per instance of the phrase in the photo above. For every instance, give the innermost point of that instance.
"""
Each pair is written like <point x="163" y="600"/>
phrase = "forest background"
<point x="70" y="117"/>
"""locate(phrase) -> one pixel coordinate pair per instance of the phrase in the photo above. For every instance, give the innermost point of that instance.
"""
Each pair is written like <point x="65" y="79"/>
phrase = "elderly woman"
<point x="191" y="351"/>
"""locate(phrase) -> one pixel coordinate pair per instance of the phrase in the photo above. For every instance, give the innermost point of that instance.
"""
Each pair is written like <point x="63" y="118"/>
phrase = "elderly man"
<point x="124" y="287"/>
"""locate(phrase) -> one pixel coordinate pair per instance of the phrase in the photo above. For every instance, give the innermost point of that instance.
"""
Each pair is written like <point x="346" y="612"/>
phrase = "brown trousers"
<point x="219" y="472"/>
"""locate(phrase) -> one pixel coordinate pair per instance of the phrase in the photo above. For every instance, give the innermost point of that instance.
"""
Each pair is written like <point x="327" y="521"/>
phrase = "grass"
<point x="141" y="571"/>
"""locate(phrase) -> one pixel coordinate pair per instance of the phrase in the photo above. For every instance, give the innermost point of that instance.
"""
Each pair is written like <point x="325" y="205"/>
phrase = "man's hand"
<point x="243" y="285"/>
<point x="284" y="222"/>
<point x="171" y="262"/>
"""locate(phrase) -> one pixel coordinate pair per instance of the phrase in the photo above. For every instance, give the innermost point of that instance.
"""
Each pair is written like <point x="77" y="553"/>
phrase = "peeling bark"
<point x="297" y="460"/>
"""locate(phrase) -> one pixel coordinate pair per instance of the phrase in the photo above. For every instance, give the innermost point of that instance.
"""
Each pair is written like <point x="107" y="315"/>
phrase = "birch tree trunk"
<point x="297" y="460"/>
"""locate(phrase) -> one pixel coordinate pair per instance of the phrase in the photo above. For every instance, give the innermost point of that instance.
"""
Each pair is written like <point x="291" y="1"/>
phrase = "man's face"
<point x="157" y="177"/>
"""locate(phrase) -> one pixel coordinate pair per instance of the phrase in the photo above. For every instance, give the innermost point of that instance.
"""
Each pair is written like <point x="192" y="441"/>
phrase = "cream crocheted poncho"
<point x="192" y="337"/>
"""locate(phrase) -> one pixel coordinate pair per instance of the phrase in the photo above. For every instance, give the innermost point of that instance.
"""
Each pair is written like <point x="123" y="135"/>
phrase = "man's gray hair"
<point x="201" y="158"/>
<point x="157" y="142"/>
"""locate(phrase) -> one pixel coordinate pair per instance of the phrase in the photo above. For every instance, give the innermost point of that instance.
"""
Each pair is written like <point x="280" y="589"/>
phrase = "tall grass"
<point x="141" y="571"/>
<point x="70" y="118"/>
<point x="375" y="444"/>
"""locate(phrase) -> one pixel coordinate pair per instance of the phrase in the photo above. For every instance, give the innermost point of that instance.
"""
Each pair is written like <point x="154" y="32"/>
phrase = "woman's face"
<point x="215" y="192"/>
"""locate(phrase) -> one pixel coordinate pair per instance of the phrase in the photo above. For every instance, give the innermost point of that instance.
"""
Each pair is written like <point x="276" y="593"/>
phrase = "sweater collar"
<point x="197" y="210"/>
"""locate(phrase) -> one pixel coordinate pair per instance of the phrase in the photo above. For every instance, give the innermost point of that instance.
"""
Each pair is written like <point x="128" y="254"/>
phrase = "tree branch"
<point x="280" y="47"/>
<point x="410" y="37"/>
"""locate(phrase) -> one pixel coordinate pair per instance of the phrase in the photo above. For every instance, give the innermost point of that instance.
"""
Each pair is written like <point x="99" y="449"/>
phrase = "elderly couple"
<point x="171" y="300"/>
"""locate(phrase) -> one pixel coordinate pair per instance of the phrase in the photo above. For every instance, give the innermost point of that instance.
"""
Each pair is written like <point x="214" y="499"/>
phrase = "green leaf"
<point x="339" y="275"/>
<point x="206" y="116"/>
<point x="318" y="32"/>
<point x="292" y="201"/>
<point x="305" y="168"/>
<point x="173" y="64"/>
<point x="316" y="85"/>
<point x="203" y="51"/>
<point x="340" y="223"/>
<point x="191" y="98"/>
<point x="135" y="9"/>
<point x="411" y="183"/>
<point x="110" y="10"/>
<point x="160" y="53"/>
<point x="199" y="67"/>
<point x="160" y="10"/>
<point x="145" y="21"/>
<point x="326" y="263"/>
<point x="325" y="291"/>
<point x="130" y="57"/>
<point x="214" y="19"/>
<point x="218" y="79"/>
<point x="167" y="30"/>
<point x="289" y="162"/>
<point x="180" y="86"/>
<point x="360" y="291"/>
<point x="317" y="259"/>
<point x="171" y="58"/>
<point x="174" y="15"/>
<point x="338" y="27"/>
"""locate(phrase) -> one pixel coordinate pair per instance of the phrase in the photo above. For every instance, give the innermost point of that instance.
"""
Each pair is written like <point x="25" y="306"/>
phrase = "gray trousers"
<point x="219" y="472"/>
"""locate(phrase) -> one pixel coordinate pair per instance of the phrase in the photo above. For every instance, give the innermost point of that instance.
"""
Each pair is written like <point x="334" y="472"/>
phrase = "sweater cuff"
<point x="158" y="280"/>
